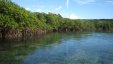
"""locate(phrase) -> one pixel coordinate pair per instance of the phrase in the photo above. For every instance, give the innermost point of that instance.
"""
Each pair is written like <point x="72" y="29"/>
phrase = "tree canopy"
<point x="12" y="16"/>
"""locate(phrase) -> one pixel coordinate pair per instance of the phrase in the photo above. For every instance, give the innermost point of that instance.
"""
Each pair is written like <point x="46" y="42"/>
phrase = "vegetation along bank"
<point x="16" y="21"/>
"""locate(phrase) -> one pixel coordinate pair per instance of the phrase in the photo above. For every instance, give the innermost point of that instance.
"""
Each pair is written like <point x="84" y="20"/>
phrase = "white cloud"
<point x="67" y="3"/>
<point x="73" y="16"/>
<point x="27" y="9"/>
<point x="58" y="8"/>
<point x="82" y="2"/>
<point x="38" y="10"/>
<point x="109" y="1"/>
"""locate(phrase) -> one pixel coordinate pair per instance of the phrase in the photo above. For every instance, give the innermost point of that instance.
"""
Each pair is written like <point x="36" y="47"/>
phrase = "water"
<point x="60" y="48"/>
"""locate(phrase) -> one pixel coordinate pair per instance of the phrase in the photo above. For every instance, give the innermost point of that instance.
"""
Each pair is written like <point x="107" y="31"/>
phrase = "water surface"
<point x="60" y="48"/>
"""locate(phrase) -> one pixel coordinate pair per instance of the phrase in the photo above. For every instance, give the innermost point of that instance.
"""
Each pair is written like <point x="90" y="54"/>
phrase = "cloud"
<point x="109" y="1"/>
<point x="27" y="9"/>
<point x="58" y="8"/>
<point x="83" y="2"/>
<point x="38" y="10"/>
<point x="67" y="3"/>
<point x="73" y="16"/>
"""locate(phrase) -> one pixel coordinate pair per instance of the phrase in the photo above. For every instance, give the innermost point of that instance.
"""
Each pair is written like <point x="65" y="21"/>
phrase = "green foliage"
<point x="7" y="22"/>
<point x="53" y="20"/>
<point x="18" y="14"/>
<point x="13" y="16"/>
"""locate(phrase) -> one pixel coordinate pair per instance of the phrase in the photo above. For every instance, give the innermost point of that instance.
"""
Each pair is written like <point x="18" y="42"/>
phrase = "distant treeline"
<point x="16" y="21"/>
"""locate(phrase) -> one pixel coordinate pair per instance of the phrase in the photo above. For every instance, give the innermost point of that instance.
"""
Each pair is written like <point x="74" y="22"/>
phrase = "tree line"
<point x="17" y="21"/>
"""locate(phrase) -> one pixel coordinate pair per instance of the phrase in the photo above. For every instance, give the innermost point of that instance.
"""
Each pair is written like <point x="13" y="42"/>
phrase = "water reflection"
<point x="59" y="48"/>
<point x="14" y="51"/>
<point x="83" y="57"/>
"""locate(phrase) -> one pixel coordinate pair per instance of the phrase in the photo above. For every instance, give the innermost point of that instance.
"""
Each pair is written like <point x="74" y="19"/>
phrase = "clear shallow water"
<point x="60" y="48"/>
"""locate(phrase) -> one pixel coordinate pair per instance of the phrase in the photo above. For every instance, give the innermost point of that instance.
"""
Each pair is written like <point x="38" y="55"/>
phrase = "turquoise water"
<point x="60" y="48"/>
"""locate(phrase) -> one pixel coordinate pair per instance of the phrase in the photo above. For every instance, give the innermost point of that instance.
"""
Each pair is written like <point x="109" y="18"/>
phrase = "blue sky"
<point x="74" y="9"/>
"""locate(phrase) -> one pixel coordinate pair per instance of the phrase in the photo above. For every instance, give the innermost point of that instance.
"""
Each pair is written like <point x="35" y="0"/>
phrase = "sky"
<point x="73" y="9"/>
